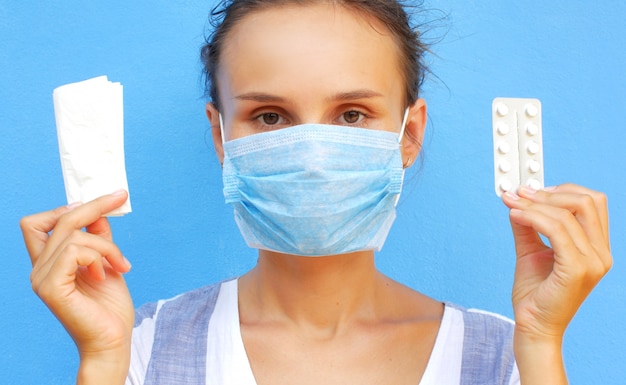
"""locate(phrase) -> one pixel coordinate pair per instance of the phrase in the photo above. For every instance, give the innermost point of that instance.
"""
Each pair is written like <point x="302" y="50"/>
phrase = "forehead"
<point x="320" y="47"/>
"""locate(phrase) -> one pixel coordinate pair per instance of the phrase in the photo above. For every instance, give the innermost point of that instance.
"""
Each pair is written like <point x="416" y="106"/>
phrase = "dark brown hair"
<point x="390" y="13"/>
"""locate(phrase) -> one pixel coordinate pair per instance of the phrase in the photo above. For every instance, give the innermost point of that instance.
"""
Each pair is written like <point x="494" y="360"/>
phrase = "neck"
<point x="319" y="293"/>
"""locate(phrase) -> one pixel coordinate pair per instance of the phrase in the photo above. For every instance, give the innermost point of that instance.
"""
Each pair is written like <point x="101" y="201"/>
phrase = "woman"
<point x="315" y="114"/>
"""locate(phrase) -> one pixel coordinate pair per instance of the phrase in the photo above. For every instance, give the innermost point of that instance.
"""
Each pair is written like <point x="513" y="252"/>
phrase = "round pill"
<point x="534" y="184"/>
<point x="504" y="147"/>
<point x="532" y="129"/>
<point x="502" y="128"/>
<point x="502" y="109"/>
<point x="532" y="147"/>
<point x="505" y="184"/>
<point x="533" y="166"/>
<point x="504" y="166"/>
<point x="531" y="110"/>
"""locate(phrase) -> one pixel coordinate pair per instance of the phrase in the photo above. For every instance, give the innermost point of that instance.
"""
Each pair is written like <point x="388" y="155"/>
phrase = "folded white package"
<point x="90" y="128"/>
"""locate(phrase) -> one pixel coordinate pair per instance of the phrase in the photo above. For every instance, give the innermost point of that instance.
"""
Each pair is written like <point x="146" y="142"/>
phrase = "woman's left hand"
<point x="551" y="282"/>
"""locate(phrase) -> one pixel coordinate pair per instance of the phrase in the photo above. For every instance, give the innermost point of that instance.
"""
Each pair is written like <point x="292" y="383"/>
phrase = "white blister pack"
<point x="517" y="144"/>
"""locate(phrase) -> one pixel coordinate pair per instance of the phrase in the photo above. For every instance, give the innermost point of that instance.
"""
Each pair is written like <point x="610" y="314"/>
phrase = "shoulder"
<point x="483" y="330"/>
<point x="487" y="348"/>
<point x="182" y="305"/>
<point x="478" y="321"/>
<point x="167" y="330"/>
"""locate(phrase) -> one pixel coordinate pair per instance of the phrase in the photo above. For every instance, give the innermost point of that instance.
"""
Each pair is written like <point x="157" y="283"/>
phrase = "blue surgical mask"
<point x="314" y="189"/>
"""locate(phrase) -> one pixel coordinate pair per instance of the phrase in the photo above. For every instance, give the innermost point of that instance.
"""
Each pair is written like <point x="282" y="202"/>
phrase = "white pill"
<point x="531" y="110"/>
<point x="504" y="147"/>
<point x="505" y="184"/>
<point x="534" y="166"/>
<point x="532" y="129"/>
<point x="503" y="128"/>
<point x="532" y="147"/>
<point x="504" y="166"/>
<point x="534" y="184"/>
<point x="502" y="109"/>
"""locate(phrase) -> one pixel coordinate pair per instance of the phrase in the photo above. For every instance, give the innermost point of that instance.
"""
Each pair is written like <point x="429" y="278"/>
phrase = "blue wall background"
<point x="451" y="239"/>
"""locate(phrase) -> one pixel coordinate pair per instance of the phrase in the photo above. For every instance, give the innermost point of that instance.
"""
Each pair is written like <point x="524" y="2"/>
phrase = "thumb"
<point x="527" y="240"/>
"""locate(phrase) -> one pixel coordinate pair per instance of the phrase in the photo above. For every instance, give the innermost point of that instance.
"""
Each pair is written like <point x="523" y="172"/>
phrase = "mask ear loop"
<point x="222" y="128"/>
<point x="404" y="120"/>
<point x="403" y="127"/>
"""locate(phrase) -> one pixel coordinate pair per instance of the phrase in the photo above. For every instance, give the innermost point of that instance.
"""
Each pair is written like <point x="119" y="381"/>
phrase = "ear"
<point x="214" y="118"/>
<point x="414" y="132"/>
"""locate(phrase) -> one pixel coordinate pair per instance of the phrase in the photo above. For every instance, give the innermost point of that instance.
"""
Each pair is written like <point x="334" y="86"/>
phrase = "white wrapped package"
<point x="90" y="128"/>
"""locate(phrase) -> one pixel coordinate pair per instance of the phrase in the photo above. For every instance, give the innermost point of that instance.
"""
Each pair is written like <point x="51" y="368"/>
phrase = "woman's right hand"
<point x="78" y="275"/>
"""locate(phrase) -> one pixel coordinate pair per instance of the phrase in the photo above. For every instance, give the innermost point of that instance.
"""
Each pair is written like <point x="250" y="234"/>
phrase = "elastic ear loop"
<point x="222" y="128"/>
<point x="404" y="120"/>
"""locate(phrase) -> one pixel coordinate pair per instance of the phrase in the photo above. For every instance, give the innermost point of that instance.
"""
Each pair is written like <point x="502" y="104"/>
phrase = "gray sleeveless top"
<point x="177" y="352"/>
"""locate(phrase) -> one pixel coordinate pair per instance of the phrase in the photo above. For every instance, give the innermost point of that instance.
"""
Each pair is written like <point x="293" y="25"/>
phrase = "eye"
<point x="352" y="117"/>
<point x="270" y="118"/>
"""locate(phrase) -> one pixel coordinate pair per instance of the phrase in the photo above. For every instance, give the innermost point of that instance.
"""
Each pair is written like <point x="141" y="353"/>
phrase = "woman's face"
<point x="309" y="64"/>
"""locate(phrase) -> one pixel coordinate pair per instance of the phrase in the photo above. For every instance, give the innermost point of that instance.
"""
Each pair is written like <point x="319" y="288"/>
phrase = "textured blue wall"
<point x="451" y="239"/>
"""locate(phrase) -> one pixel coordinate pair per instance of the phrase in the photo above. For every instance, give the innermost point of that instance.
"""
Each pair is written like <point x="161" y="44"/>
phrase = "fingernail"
<point x="127" y="262"/>
<point x="549" y="188"/>
<point x="72" y="206"/>
<point x="511" y="195"/>
<point x="118" y="193"/>
<point x="527" y="190"/>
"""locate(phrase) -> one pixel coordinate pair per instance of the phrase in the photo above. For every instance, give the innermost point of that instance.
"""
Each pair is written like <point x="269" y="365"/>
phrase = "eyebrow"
<point x="261" y="97"/>
<point x="341" y="96"/>
<point x="355" y="95"/>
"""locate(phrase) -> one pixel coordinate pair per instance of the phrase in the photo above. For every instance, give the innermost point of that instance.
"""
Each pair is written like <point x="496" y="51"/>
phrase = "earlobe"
<point x="214" y="119"/>
<point x="414" y="131"/>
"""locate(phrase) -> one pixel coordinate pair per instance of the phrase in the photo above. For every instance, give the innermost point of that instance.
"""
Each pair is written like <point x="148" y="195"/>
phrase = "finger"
<point x="526" y="239"/>
<point x="88" y="213"/>
<point x="35" y="229"/>
<point x="557" y="224"/>
<point x="599" y="199"/>
<point x="584" y="208"/>
<point x="83" y="241"/>
<point x="571" y="249"/>
<point x="84" y="254"/>
<point x="59" y="282"/>
<point x="101" y="228"/>
<point x="83" y="216"/>
<point x="581" y="205"/>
